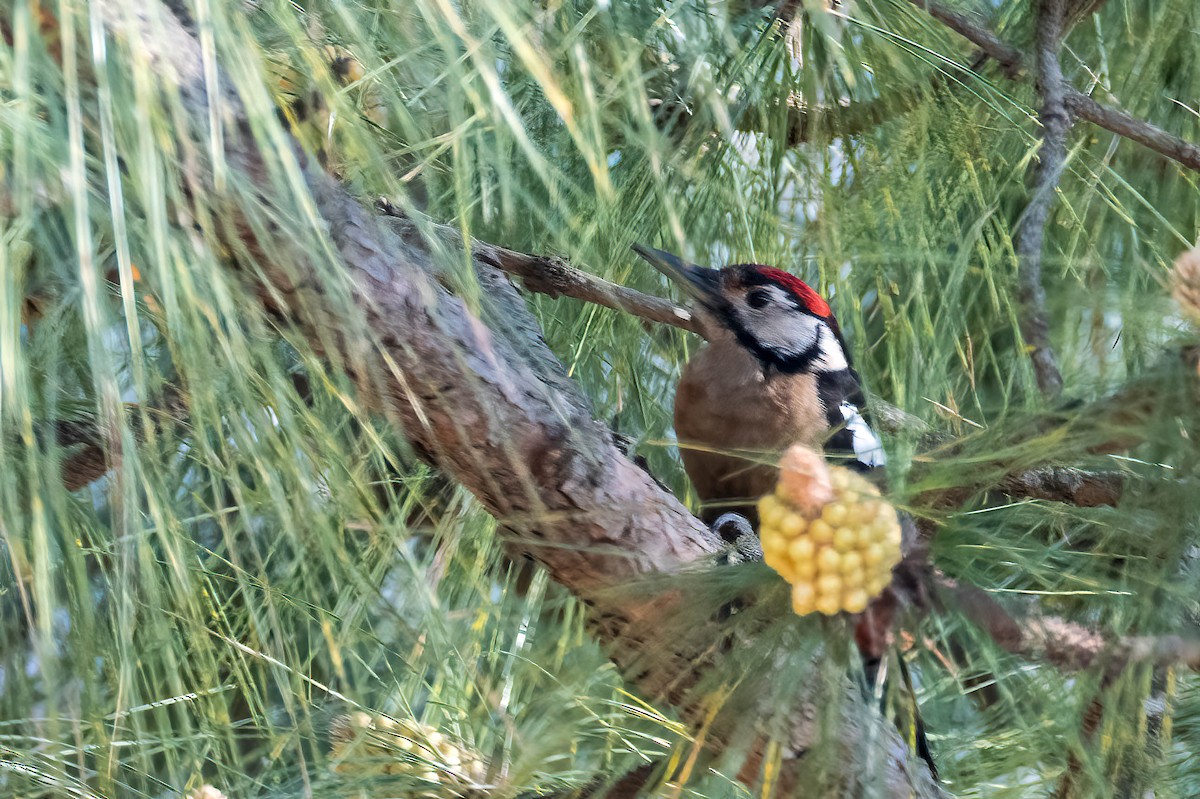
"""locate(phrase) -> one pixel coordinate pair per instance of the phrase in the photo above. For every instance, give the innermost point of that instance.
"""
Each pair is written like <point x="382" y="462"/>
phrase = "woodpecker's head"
<point x="775" y="315"/>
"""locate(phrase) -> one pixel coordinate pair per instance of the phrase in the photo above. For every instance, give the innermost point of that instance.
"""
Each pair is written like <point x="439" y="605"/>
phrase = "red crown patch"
<point x="811" y="299"/>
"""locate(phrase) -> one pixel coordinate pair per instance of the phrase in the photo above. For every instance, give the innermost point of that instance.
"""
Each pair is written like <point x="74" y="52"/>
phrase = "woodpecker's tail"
<point x="900" y="703"/>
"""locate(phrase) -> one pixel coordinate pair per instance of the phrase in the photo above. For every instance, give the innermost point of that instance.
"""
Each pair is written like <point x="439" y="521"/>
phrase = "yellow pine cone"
<point x="365" y="744"/>
<point x="828" y="532"/>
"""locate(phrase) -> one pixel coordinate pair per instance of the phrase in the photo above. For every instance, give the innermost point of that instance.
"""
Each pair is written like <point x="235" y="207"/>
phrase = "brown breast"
<point x="732" y="422"/>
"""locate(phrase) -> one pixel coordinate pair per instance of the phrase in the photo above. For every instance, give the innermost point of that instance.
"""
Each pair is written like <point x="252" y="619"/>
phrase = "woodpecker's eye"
<point x="758" y="299"/>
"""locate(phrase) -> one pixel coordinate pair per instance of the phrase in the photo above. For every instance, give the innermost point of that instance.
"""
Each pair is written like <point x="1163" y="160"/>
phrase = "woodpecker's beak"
<point x="701" y="283"/>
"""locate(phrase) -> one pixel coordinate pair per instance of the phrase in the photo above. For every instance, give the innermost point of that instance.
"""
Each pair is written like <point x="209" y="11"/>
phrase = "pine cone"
<point x="827" y="531"/>
<point x="365" y="744"/>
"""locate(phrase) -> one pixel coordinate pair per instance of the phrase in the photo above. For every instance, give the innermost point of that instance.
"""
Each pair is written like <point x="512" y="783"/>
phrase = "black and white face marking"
<point x="773" y="313"/>
<point x="769" y="320"/>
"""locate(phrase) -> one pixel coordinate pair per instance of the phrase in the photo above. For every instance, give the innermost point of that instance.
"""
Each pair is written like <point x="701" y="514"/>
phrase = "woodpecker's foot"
<point x="744" y="546"/>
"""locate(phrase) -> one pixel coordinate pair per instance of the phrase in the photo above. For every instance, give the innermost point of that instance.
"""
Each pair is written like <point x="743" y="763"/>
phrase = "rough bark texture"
<point x="1079" y="487"/>
<point x="1067" y="645"/>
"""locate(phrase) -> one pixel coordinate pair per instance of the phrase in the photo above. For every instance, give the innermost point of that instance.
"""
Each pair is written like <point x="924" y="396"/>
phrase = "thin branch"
<point x="793" y="122"/>
<point x="86" y="453"/>
<point x="554" y="277"/>
<point x="1092" y="717"/>
<point x="1031" y="228"/>
<point x="1065" y="644"/>
<point x="1138" y="130"/>
<point x="803" y="123"/>
<point x="1013" y="62"/>
<point x="1010" y="59"/>
<point x="1079" y="487"/>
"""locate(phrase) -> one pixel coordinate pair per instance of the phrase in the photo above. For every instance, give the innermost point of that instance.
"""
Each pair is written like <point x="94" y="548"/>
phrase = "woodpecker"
<point x="775" y="372"/>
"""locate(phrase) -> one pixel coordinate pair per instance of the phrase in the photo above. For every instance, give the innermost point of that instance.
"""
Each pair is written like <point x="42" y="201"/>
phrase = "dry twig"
<point x="554" y="277"/>
<point x="1013" y="62"/>
<point x="1031" y="229"/>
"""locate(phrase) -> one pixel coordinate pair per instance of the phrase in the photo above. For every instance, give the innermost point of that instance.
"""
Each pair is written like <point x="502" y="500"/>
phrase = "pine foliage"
<point x="267" y="555"/>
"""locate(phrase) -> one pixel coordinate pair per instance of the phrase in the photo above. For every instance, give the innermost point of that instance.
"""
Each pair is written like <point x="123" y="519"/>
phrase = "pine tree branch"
<point x="1013" y="62"/>
<point x="87" y="456"/>
<point x="1010" y="59"/>
<point x="491" y="407"/>
<point x="1064" y="644"/>
<point x="1137" y="130"/>
<point x="1092" y="717"/>
<point x="1080" y="487"/>
<point x="555" y="278"/>
<point x="1031" y="228"/>
<point x="804" y="124"/>
<point x="794" y="123"/>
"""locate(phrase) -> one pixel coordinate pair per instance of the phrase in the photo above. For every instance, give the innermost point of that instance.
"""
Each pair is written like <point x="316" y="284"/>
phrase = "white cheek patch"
<point x="782" y="327"/>
<point x="831" y="358"/>
<point x="868" y="449"/>
<point x="783" y="330"/>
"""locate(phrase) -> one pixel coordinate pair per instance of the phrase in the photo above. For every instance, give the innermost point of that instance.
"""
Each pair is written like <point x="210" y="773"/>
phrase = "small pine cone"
<point x="404" y="748"/>
<point x="1185" y="283"/>
<point x="827" y="531"/>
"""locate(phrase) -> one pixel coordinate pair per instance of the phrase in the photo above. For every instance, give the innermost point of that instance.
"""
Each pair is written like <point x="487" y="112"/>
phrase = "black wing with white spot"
<point x="866" y="446"/>
<point x="853" y="442"/>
